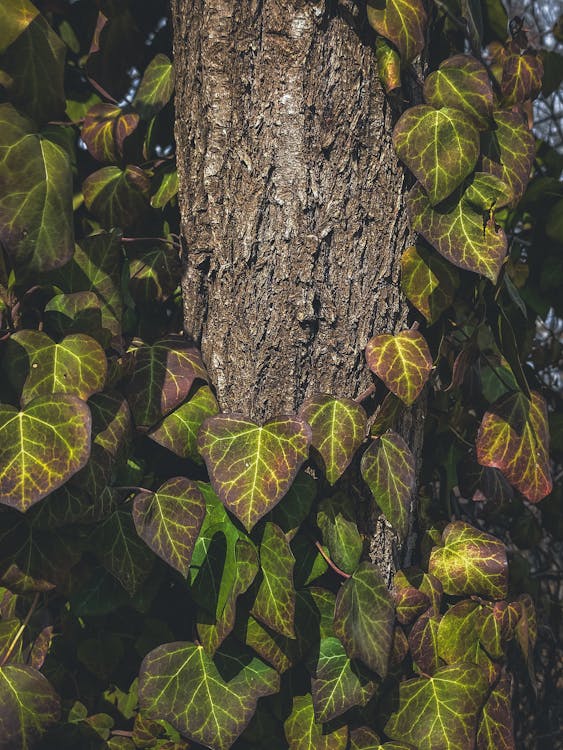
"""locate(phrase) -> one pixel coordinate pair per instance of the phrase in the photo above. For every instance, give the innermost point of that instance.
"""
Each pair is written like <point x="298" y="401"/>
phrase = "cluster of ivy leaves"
<point x="173" y="577"/>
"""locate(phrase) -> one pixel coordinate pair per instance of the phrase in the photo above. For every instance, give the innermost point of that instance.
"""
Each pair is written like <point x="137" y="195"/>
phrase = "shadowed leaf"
<point x="337" y="520"/>
<point x="117" y="197"/>
<point x="402" y="361"/>
<point x="364" y="738"/>
<point x="302" y="732"/>
<point x="403" y="22"/>
<point x="274" y="604"/>
<point x="154" y="273"/>
<point x="428" y="281"/>
<point x="290" y="513"/>
<point x="80" y="312"/>
<point x="496" y="724"/>
<point x="423" y="642"/>
<point x="15" y="17"/>
<point x="462" y="82"/>
<point x="30" y="706"/>
<point x="156" y="87"/>
<point x="105" y="129"/>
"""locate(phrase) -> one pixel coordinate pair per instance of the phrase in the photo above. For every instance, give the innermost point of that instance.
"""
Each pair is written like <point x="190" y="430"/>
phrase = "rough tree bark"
<point x="292" y="201"/>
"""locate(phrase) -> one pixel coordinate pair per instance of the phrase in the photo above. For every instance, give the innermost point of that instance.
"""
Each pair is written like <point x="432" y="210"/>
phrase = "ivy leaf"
<point x="423" y="642"/>
<point x="514" y="438"/>
<point x="459" y="636"/>
<point x="496" y="724"/>
<point x="339" y="428"/>
<point x="296" y="505"/>
<point x="521" y="78"/>
<point x="486" y="191"/>
<point x="462" y="82"/>
<point x="470" y="562"/>
<point x="428" y="281"/>
<point x="37" y="366"/>
<point x="14" y="19"/>
<point x="336" y="518"/>
<point x="80" y="312"/>
<point x="403" y="22"/>
<point x="154" y="273"/>
<point x="117" y="197"/>
<point x="178" y="431"/>
<point x="459" y="232"/>
<point x="165" y="186"/>
<point x="36" y="222"/>
<point x="41" y="447"/>
<point x="402" y="361"/>
<point x="156" y="87"/>
<point x="337" y="683"/>
<point x="302" y="732"/>
<point x="439" y="146"/>
<point x="252" y="467"/>
<point x="169" y="520"/>
<point x="429" y="586"/>
<point x="363" y="618"/>
<point x="364" y="738"/>
<point x="210" y="701"/>
<point x="388" y="469"/>
<point x="29" y="706"/>
<point x="163" y="376"/>
<point x="440" y="711"/>
<point x="105" y="129"/>
<point x="388" y="65"/>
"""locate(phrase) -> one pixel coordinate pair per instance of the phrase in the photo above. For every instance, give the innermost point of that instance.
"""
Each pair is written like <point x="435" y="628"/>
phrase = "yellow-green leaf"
<point x="402" y="361"/>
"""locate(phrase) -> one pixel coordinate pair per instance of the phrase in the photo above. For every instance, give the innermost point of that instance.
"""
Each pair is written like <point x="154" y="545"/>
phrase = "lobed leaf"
<point x="462" y="82"/>
<point x="428" y="281"/>
<point x="117" y="197"/>
<point x="105" y="129"/>
<point x="302" y="732"/>
<point x="30" y="706"/>
<point x="402" y="361"/>
<point x="337" y="520"/>
<point x="403" y="22"/>
<point x="156" y="87"/>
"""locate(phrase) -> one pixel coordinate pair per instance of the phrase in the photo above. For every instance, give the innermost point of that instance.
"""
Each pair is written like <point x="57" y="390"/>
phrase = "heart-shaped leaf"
<point x="30" y="706"/>
<point x="440" y="711"/>
<point x="252" y="467"/>
<point x="521" y="78"/>
<point x="207" y="700"/>
<point x="403" y="22"/>
<point x="14" y="19"/>
<point x="37" y="366"/>
<point x="423" y="642"/>
<point x="302" y="732"/>
<point x="363" y="618"/>
<point x="459" y="232"/>
<point x="496" y="728"/>
<point x="80" y="312"/>
<point x="439" y="146"/>
<point x="514" y="438"/>
<point x="156" y="87"/>
<point x="169" y="520"/>
<point x="41" y="447"/>
<point x="388" y="469"/>
<point x="428" y="281"/>
<point x="462" y="82"/>
<point x="337" y="520"/>
<point x="470" y="562"/>
<point x="403" y="362"/>
<point x="105" y="129"/>
<point x="117" y="197"/>
<point x="339" y="428"/>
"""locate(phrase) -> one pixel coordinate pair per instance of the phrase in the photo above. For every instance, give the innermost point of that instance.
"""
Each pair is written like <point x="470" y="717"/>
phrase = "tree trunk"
<point x="292" y="199"/>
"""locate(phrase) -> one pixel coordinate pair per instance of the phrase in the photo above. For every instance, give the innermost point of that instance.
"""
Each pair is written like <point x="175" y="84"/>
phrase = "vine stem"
<point x="370" y="390"/>
<point x="21" y="628"/>
<point x="336" y="569"/>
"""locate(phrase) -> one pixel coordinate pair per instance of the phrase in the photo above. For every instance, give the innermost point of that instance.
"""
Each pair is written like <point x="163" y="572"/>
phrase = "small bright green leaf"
<point x="439" y="146"/>
<point x="514" y="438"/>
<point x="423" y="642"/>
<point x="178" y="431"/>
<point x="165" y="187"/>
<point x="41" y="447"/>
<point x="440" y="711"/>
<point x="15" y="17"/>
<point x="252" y="467"/>
<point x="337" y="683"/>
<point x="339" y="428"/>
<point x="470" y="562"/>
<point x="275" y="599"/>
<point x="29" y="706"/>
<point x="462" y="82"/>
<point x="402" y="361"/>
<point x="302" y="732"/>
<point x="105" y="129"/>
<point x="428" y="281"/>
<point x="156" y="87"/>
<point x="163" y="376"/>
<point x="169" y="520"/>
<point x="459" y="232"/>
<point x="388" y="469"/>
<point x="207" y="700"/>
<point x="154" y="273"/>
<point x="117" y="197"/>
<point x="403" y="22"/>
<point x="37" y="366"/>
<point x="388" y="65"/>
<point x="363" y="618"/>
<point x="337" y="520"/>
<point x="496" y="731"/>
<point x="486" y="191"/>
<point x="521" y="78"/>
<point x="36" y="222"/>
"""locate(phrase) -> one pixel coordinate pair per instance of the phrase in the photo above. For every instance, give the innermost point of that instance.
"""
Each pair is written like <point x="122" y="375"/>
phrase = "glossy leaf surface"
<point x="403" y="362"/>
<point x="428" y="281"/>
<point x="105" y="129"/>
<point x="462" y="82"/>
<point x="156" y="87"/>
<point x="115" y="196"/>
<point x="403" y="22"/>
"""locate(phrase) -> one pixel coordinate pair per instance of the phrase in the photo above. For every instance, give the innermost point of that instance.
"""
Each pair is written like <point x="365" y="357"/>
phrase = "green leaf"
<point x="296" y="505"/>
<point x="440" y="711"/>
<point x="470" y="562"/>
<point x="154" y="273"/>
<point x="514" y="438"/>
<point x="496" y="731"/>
<point x="403" y="22"/>
<point x="459" y="635"/>
<point x="163" y="376"/>
<point x="486" y="192"/>
<point x="29" y="706"/>
<point x="37" y="366"/>
<point x="41" y="447"/>
<point x="428" y="281"/>
<point x="337" y="520"/>
<point x="439" y="146"/>
<point x="156" y="87"/>
<point x="169" y="520"/>
<point x="105" y="129"/>
<point x="521" y="78"/>
<point x="117" y="197"/>
<point x="363" y="618"/>
<point x="339" y="428"/>
<point x="15" y="17"/>
<point x="80" y="312"/>
<point x="459" y="232"/>
<point x="165" y="186"/>
<point x="337" y="683"/>
<point x="402" y="361"/>
<point x="388" y="469"/>
<point x="36" y="222"/>
<point x="178" y="431"/>
<point x="462" y="82"/>
<point x="274" y="604"/>
<point x="302" y="732"/>
<point x="252" y="467"/>
<point x="207" y="700"/>
<point x="388" y="65"/>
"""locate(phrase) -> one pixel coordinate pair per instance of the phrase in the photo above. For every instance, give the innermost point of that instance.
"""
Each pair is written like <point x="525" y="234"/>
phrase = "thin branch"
<point x="336" y="569"/>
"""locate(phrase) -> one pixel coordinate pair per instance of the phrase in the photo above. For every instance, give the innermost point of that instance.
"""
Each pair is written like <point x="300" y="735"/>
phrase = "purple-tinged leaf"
<point x="410" y="603"/>
<point x="154" y="273"/>
<point x="496" y="730"/>
<point x="30" y="706"/>
<point x="462" y="82"/>
<point x="425" y="583"/>
<point x="105" y="129"/>
<point x="459" y="637"/>
<point x="302" y="732"/>
<point x="402" y="361"/>
<point x="388" y="65"/>
<point x="423" y="642"/>
<point x="428" y="281"/>
<point x="521" y="78"/>
<point x="403" y="22"/>
<point x="364" y="738"/>
<point x="117" y="197"/>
